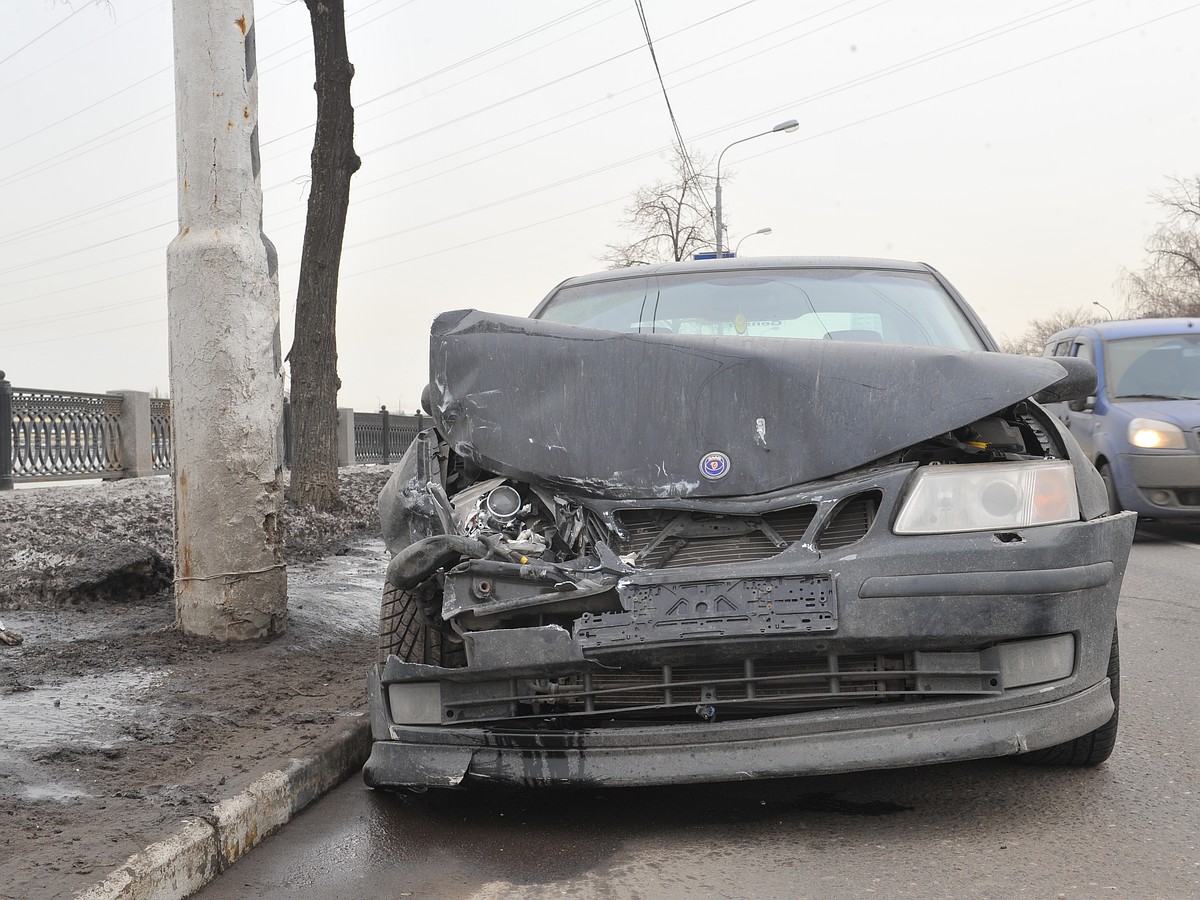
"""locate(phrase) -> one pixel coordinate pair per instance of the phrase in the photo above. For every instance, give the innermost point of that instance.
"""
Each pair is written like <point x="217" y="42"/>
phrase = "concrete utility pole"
<point x="223" y="314"/>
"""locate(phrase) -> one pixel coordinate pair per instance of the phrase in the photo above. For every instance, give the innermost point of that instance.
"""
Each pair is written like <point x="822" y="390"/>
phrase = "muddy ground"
<point x="114" y="726"/>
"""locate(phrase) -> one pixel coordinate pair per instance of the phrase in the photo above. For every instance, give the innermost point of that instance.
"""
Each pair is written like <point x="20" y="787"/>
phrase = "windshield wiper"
<point x="1150" y="397"/>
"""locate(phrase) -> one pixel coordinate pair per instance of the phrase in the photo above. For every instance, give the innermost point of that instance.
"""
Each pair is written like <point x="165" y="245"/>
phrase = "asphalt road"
<point x="1130" y="828"/>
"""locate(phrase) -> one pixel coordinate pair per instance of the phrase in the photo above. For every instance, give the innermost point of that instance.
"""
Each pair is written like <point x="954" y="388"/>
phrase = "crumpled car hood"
<point x="633" y="416"/>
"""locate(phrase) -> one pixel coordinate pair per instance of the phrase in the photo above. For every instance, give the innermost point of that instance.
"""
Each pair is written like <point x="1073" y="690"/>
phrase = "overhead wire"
<point x="862" y="120"/>
<point x="966" y="42"/>
<point x="167" y="110"/>
<point x="105" y="35"/>
<point x="476" y="209"/>
<point x="684" y="156"/>
<point x="937" y="53"/>
<point x="18" y="236"/>
<point x="54" y="27"/>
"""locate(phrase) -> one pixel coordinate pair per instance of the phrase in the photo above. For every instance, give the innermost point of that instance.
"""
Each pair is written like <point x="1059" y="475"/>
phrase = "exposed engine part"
<point x="419" y="561"/>
<point x="502" y="504"/>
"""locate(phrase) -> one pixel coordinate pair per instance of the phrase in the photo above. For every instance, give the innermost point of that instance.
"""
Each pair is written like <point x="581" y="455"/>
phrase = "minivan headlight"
<point x="1151" y="434"/>
<point x="988" y="497"/>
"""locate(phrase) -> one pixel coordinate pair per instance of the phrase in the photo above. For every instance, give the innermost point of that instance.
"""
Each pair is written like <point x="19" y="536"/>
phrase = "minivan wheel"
<point x="1095" y="746"/>
<point x="1110" y="487"/>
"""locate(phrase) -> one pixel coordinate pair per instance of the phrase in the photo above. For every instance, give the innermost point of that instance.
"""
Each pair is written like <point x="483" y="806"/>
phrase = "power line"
<point x="954" y="46"/>
<point x="57" y="24"/>
<point x="684" y="156"/>
<point x="957" y="45"/>
<point x="103" y="36"/>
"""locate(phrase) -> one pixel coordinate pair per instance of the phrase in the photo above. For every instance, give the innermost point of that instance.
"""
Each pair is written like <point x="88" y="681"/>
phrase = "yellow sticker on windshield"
<point x="739" y="323"/>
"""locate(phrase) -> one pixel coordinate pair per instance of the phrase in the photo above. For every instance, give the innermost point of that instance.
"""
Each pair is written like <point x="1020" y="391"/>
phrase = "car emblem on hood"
<point x="714" y="465"/>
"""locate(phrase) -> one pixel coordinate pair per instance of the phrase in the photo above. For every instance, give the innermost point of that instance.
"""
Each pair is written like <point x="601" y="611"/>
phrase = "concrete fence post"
<point x="345" y="437"/>
<point x="385" y="438"/>
<point x="135" y="447"/>
<point x="6" y="435"/>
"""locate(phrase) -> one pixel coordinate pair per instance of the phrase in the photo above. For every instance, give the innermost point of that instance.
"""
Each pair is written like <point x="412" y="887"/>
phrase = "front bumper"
<point x="937" y="595"/>
<point x="802" y="744"/>
<point x="1161" y="485"/>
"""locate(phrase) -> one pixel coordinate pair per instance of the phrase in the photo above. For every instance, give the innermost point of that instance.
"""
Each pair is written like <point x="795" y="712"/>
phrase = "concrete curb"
<point x="203" y="848"/>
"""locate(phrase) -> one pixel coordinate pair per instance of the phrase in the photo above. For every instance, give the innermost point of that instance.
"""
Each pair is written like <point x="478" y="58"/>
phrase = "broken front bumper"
<point x="1002" y="648"/>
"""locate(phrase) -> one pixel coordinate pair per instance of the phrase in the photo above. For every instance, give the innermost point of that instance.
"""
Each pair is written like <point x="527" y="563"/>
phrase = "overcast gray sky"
<point x="1012" y="145"/>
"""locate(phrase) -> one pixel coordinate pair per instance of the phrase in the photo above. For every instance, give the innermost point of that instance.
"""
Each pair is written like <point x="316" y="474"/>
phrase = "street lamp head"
<point x="789" y="125"/>
<point x="750" y="235"/>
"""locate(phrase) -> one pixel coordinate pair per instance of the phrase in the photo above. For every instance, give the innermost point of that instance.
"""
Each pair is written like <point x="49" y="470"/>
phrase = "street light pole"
<point x="1103" y="307"/>
<point x="789" y="125"/>
<point x="750" y="235"/>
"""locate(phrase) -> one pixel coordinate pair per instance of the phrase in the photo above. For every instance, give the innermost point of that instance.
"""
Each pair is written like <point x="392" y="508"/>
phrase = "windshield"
<point x="1156" y="367"/>
<point x="815" y="304"/>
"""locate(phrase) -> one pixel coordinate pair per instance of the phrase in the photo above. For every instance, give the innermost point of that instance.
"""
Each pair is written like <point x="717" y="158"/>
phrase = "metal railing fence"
<point x="160" y="434"/>
<point x="383" y="437"/>
<point x="59" y="435"/>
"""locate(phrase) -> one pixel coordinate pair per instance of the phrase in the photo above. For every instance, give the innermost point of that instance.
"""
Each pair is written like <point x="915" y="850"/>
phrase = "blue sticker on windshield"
<point x="714" y="465"/>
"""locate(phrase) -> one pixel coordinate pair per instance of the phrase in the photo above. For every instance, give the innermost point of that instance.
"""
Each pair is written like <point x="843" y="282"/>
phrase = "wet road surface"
<point x="1130" y="828"/>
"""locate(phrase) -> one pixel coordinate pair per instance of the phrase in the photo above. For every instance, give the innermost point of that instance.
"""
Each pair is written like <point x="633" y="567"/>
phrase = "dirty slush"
<point x="114" y="726"/>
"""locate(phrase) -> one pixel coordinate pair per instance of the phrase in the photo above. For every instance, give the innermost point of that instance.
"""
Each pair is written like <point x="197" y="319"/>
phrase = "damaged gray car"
<point x="740" y="519"/>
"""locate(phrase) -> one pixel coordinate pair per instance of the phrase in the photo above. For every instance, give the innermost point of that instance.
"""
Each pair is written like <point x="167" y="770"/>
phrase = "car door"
<point x="1080" y="416"/>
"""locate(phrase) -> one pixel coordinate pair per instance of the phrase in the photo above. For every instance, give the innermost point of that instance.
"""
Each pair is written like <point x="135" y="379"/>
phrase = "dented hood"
<point x="636" y="416"/>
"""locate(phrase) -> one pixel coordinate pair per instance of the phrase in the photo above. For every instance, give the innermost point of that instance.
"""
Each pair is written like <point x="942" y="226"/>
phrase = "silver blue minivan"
<point x="1142" y="427"/>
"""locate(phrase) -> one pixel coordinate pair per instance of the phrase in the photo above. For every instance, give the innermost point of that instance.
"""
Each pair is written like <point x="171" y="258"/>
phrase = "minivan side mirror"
<point x="1077" y="384"/>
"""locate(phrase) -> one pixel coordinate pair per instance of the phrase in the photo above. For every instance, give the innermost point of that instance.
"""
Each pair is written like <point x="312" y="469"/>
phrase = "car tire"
<point x="1096" y="746"/>
<point x="1110" y="487"/>
<point x="406" y="631"/>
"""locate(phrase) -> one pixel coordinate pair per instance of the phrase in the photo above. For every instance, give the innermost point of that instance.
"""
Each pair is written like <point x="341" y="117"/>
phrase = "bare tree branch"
<point x="1032" y="341"/>
<point x="1169" y="282"/>
<point x="671" y="219"/>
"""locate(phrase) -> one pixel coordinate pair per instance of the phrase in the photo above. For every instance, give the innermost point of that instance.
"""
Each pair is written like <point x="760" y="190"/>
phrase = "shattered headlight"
<point x="988" y="497"/>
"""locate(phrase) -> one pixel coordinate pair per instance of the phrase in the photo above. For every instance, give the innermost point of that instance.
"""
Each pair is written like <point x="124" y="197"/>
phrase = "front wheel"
<point x="406" y="630"/>
<point x="1110" y="487"/>
<point x="1095" y="746"/>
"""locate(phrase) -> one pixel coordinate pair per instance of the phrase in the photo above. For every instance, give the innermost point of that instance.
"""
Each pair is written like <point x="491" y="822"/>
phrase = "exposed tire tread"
<point x="406" y="632"/>
<point x="1095" y="747"/>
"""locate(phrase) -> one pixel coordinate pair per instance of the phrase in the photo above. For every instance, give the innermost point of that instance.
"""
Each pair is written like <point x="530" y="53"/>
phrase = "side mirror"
<point x="1086" y="404"/>
<point x="1078" y="384"/>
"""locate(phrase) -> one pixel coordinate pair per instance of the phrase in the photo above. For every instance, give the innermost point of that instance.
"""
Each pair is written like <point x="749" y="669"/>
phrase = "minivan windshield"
<point x="893" y="307"/>
<point x="1154" y="367"/>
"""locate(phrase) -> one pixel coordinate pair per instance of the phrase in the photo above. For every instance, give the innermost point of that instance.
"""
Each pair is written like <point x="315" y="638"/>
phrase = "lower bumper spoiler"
<point x="728" y="751"/>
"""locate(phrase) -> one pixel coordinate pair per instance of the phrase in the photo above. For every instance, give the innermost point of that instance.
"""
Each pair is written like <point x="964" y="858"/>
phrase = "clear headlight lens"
<point x="1152" y="434"/>
<point x="988" y="497"/>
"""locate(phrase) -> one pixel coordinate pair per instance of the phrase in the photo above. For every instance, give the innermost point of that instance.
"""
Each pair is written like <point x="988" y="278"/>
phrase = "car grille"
<point x="850" y="521"/>
<point x="817" y="679"/>
<point x="742" y="689"/>
<point x="732" y="539"/>
<point x="667" y="539"/>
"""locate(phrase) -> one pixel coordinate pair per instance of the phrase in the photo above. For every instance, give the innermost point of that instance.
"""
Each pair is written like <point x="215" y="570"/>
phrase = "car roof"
<point x="1126" y="328"/>
<point x="750" y="263"/>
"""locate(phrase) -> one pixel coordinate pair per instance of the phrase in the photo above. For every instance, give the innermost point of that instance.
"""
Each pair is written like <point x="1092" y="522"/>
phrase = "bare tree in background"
<point x="1169" y="283"/>
<point x="1032" y="341"/>
<point x="671" y="219"/>
<point x="313" y="355"/>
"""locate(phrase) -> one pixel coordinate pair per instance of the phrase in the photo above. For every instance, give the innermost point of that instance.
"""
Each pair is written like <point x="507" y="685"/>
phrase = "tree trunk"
<point x="313" y="356"/>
